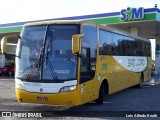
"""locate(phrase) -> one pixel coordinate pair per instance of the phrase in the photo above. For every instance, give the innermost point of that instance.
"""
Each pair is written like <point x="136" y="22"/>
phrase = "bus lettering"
<point x="140" y="62"/>
<point x="131" y="62"/>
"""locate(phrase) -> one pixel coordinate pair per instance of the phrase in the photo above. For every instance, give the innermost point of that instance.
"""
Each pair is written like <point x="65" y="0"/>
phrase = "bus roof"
<point x="53" y="22"/>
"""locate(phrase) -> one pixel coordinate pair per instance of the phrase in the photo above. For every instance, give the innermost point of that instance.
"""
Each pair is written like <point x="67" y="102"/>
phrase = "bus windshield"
<point x="45" y="53"/>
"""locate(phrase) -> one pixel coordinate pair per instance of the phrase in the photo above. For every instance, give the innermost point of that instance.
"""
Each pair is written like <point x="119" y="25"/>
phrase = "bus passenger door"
<point x="88" y="63"/>
<point x="86" y="77"/>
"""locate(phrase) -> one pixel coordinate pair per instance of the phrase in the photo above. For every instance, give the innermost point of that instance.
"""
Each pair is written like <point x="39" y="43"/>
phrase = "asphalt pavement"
<point x="130" y="101"/>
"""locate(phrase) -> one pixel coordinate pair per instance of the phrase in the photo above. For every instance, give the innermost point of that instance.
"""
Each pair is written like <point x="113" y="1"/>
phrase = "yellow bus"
<point x="73" y="62"/>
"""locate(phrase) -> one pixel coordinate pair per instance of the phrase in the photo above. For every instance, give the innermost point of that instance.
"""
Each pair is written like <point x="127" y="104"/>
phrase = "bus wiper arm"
<point x="40" y="58"/>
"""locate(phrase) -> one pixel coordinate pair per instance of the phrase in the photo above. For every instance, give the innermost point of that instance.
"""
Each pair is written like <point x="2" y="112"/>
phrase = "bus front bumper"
<point x="72" y="98"/>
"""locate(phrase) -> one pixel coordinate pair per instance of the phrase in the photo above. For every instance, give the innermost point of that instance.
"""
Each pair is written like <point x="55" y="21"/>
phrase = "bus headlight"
<point x="68" y="88"/>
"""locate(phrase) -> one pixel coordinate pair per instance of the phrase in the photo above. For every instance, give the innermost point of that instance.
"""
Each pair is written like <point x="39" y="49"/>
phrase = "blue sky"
<point x="26" y="10"/>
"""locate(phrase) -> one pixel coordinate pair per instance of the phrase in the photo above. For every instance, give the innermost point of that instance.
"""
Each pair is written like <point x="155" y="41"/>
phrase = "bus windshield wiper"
<point x="40" y="58"/>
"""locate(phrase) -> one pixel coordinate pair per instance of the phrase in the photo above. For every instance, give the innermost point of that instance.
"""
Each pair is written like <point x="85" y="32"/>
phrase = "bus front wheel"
<point x="101" y="95"/>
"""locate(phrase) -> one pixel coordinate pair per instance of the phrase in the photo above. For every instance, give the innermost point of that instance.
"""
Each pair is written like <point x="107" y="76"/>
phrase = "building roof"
<point x="148" y="27"/>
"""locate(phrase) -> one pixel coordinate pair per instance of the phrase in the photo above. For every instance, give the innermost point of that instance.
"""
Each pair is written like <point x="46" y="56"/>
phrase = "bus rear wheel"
<point x="101" y="95"/>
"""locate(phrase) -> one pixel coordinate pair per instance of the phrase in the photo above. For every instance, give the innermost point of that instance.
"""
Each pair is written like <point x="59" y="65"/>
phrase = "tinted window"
<point x="128" y="46"/>
<point x="105" y="43"/>
<point x="117" y="44"/>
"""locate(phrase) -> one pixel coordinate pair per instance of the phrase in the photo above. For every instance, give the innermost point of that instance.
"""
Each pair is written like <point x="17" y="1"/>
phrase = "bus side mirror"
<point x="4" y="45"/>
<point x="76" y="43"/>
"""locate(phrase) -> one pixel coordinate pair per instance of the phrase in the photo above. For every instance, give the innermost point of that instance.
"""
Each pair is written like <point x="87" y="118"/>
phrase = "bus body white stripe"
<point x="132" y="63"/>
<point x="43" y="87"/>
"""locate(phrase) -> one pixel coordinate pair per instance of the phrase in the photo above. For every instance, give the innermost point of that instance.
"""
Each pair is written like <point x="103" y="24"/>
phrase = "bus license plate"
<point x="42" y="98"/>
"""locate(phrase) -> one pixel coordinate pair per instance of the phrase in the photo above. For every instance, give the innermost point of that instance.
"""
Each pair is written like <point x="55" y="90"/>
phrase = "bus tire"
<point x="140" y="81"/>
<point x="101" y="95"/>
